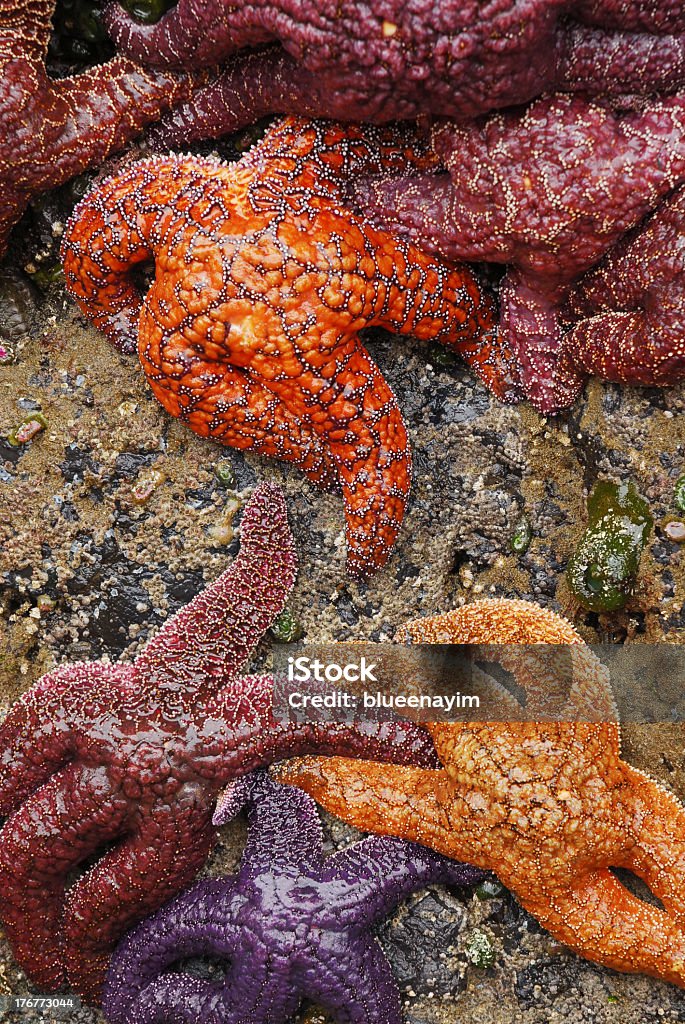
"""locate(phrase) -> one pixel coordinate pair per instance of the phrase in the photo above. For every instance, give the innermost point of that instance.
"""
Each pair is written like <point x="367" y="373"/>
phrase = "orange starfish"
<point x="250" y="331"/>
<point x="550" y="808"/>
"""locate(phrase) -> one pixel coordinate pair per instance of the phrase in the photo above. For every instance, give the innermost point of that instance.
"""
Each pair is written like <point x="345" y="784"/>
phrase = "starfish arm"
<point x="169" y="845"/>
<point x="612" y="64"/>
<point x="560" y="680"/>
<point x="630" y="308"/>
<point x="192" y="32"/>
<point x="633" y="15"/>
<point x="256" y="989"/>
<point x="382" y="871"/>
<point x="122" y="98"/>
<point x="530" y="319"/>
<point x="259" y="987"/>
<point x="236" y="410"/>
<point x="25" y="28"/>
<point x="36" y="735"/>
<point x="391" y="799"/>
<point x="108" y="234"/>
<point x="48" y="726"/>
<point x="205" y="643"/>
<point x="363" y="429"/>
<point x="358" y="988"/>
<point x="196" y="923"/>
<point x="447" y="305"/>
<point x="273" y="81"/>
<point x="656" y="848"/>
<point x="600" y="920"/>
<point x="246" y="88"/>
<point x="257" y="739"/>
<point x="55" y="829"/>
<point x="269" y="81"/>
<point x="417" y="206"/>
<point x="171" y="999"/>
<point x="283" y="823"/>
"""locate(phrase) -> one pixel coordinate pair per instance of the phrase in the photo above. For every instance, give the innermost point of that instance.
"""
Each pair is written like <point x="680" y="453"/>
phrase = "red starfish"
<point x="547" y="192"/>
<point x="136" y="755"/>
<point x="250" y="331"/>
<point x="52" y="130"/>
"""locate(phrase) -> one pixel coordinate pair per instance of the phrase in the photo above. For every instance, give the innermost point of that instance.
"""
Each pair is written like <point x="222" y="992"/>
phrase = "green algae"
<point x="604" y="567"/>
<point x="286" y="629"/>
<point x="521" y="537"/>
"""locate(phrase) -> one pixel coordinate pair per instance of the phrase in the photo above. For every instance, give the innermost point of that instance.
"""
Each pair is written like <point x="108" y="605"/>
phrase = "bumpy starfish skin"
<point x="292" y="925"/>
<point x="625" y="317"/>
<point x="52" y="130"/>
<point x="546" y="192"/>
<point x="380" y="60"/>
<point x="136" y="754"/>
<point x="550" y="808"/>
<point x="249" y="332"/>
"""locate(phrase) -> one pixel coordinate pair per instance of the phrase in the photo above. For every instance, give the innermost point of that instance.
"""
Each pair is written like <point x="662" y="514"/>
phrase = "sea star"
<point x="250" y="331"/>
<point x="51" y="130"/>
<point x="137" y="753"/>
<point x="381" y="60"/>
<point x="292" y="925"/>
<point x="547" y="192"/>
<point x="551" y="808"/>
<point x="624" y="318"/>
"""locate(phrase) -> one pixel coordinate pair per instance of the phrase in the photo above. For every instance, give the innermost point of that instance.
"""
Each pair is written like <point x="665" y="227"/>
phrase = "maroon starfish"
<point x="378" y="60"/>
<point x="52" y="130"/>
<point x="547" y="192"/>
<point x="625" y="317"/>
<point x="135" y="755"/>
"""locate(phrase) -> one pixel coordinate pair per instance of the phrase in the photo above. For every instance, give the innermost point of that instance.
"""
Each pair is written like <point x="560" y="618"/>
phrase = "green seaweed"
<point x="47" y="276"/>
<point x="489" y="889"/>
<point x="603" y="569"/>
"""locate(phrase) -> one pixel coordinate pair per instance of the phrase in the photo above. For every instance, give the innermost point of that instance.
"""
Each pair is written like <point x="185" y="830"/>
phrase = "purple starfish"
<point x="385" y="59"/>
<point x="546" y="191"/>
<point x="290" y="924"/>
<point x="136" y="755"/>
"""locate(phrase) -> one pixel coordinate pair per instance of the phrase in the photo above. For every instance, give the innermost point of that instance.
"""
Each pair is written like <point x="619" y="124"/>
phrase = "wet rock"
<point x="422" y="944"/>
<point x="549" y="978"/>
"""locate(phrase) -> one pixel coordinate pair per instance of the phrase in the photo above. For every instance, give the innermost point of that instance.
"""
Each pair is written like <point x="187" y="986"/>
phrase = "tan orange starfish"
<point x="551" y="808"/>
